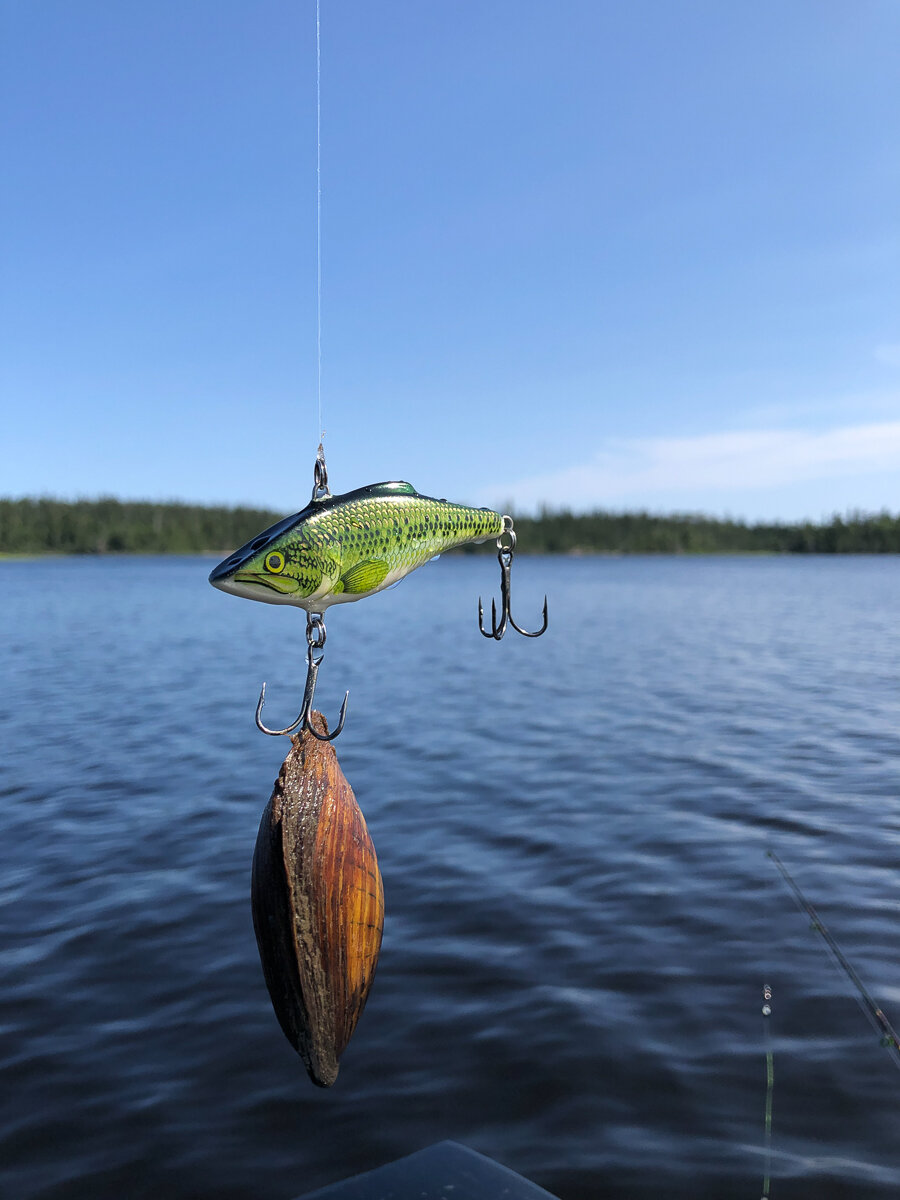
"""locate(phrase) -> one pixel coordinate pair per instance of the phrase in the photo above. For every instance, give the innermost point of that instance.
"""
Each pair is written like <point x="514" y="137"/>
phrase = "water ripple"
<point x="580" y="914"/>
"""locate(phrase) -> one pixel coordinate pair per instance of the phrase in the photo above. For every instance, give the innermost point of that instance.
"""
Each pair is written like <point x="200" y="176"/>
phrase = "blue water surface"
<point x="580" y="916"/>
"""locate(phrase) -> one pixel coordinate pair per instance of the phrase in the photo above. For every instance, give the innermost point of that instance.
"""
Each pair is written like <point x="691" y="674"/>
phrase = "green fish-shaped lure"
<point x="342" y="548"/>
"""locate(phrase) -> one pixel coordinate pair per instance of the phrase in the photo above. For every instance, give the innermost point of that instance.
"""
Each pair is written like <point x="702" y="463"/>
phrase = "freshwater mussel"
<point x="318" y="904"/>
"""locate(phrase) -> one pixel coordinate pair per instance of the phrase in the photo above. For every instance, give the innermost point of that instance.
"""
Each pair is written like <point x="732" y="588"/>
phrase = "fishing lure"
<point x="318" y="904"/>
<point x="343" y="548"/>
<point x="317" y="897"/>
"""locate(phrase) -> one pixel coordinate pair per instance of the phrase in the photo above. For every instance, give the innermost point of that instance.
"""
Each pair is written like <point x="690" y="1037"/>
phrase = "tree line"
<point x="106" y="526"/>
<point x="687" y="533"/>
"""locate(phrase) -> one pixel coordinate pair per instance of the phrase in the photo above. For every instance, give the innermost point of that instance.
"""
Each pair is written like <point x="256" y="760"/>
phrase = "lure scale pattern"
<point x="346" y="547"/>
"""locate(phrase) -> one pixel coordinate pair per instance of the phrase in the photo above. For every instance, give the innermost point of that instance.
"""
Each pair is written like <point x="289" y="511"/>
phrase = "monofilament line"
<point x="770" y="1084"/>
<point x="321" y="431"/>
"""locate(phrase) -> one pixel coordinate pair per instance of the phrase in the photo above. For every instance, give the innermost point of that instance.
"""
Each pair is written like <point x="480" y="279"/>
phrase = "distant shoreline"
<point x="463" y="552"/>
<point x="40" y="527"/>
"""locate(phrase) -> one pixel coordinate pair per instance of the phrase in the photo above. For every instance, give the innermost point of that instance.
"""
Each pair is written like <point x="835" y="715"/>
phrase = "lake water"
<point x="580" y="916"/>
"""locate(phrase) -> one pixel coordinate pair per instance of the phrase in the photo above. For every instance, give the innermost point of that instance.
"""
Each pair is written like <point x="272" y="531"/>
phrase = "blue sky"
<point x="587" y="254"/>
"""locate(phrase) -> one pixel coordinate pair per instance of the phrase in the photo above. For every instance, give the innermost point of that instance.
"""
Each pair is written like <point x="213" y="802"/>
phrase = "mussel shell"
<point x="318" y="904"/>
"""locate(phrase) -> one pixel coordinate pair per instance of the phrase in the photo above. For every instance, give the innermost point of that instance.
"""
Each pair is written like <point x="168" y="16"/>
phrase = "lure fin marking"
<point x="365" y="576"/>
<point x="395" y="487"/>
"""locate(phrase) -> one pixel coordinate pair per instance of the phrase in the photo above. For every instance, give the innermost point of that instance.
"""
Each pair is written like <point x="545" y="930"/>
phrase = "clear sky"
<point x="575" y="252"/>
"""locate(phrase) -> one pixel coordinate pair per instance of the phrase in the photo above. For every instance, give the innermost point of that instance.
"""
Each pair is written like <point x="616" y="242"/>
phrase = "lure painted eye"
<point x="275" y="562"/>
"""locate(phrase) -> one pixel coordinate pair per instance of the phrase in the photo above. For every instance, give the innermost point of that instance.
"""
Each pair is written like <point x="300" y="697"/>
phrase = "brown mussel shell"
<point x="318" y="904"/>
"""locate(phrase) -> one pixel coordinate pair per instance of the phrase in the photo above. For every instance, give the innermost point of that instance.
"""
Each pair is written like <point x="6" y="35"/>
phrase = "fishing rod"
<point x="879" y="1022"/>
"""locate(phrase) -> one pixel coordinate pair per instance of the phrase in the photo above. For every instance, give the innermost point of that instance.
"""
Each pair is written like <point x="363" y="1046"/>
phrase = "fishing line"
<point x="321" y="433"/>
<point x="879" y="1022"/>
<point x="770" y="1086"/>
<point x="770" y="1064"/>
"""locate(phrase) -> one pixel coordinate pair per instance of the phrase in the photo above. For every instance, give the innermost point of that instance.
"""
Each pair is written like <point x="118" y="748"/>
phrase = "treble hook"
<point x="315" y="638"/>
<point x="505" y="558"/>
